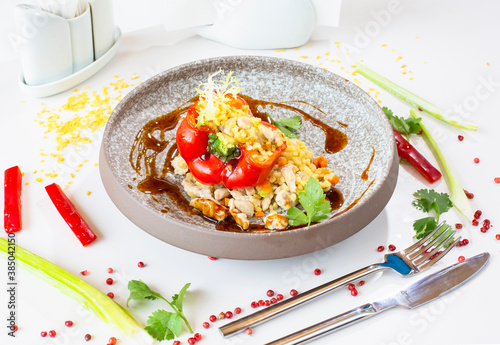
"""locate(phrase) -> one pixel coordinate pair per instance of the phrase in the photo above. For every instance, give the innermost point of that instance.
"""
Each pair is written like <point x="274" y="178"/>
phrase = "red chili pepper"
<point x="241" y="172"/>
<point x="12" y="200"/>
<point x="70" y="214"/>
<point x="410" y="154"/>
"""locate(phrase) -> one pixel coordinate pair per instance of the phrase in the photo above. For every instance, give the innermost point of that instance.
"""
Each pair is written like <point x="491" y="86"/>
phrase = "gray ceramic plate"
<point x="274" y="80"/>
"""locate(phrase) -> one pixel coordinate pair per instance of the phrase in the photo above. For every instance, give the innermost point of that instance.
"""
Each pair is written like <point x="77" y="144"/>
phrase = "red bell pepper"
<point x="12" y="200"/>
<point x="410" y="154"/>
<point x="242" y="172"/>
<point x="70" y="214"/>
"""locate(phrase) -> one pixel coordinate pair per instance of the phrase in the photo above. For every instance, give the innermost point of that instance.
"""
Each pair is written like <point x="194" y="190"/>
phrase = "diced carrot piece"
<point x="282" y="162"/>
<point x="320" y="162"/>
<point x="226" y="201"/>
<point x="266" y="186"/>
<point x="334" y="179"/>
<point x="259" y="214"/>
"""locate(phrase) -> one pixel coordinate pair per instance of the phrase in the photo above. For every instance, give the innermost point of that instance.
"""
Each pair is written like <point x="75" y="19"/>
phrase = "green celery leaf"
<point x="178" y="299"/>
<point x="321" y="211"/>
<point x="164" y="325"/>
<point x="293" y="122"/>
<point x="139" y="290"/>
<point x="296" y="217"/>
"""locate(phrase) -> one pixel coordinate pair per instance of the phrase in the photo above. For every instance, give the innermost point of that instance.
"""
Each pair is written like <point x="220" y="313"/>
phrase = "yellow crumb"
<point x="303" y="57"/>
<point x="487" y="63"/>
<point x="384" y="45"/>
<point x="27" y="183"/>
<point x="39" y="179"/>
<point x="88" y="192"/>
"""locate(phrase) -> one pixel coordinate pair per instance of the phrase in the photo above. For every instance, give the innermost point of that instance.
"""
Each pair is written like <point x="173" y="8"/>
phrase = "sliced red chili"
<point x="12" y="200"/>
<point x="410" y="154"/>
<point x="70" y="214"/>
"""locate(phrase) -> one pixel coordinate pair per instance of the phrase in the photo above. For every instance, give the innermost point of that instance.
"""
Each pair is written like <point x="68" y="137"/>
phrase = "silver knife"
<point x="421" y="292"/>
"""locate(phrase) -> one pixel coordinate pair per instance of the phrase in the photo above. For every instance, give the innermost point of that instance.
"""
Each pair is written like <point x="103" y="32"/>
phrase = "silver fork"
<point x="412" y="260"/>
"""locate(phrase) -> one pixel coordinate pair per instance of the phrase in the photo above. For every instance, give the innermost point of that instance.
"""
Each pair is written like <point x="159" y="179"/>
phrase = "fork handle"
<point x="330" y="325"/>
<point x="283" y="306"/>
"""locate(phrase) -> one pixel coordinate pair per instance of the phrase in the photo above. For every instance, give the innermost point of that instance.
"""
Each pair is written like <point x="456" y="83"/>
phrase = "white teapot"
<point x="261" y="24"/>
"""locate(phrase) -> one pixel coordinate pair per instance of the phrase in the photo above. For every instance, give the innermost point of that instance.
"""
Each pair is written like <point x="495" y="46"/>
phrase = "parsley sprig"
<point x="288" y="126"/>
<point x="404" y="126"/>
<point x="427" y="201"/>
<point x="312" y="198"/>
<point x="162" y="325"/>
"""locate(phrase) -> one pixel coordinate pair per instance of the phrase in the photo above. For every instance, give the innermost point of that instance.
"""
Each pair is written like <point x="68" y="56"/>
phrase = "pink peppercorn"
<point x="249" y="331"/>
<point x="229" y="314"/>
<point x="212" y="318"/>
<point x="52" y="334"/>
<point x="112" y="341"/>
<point x="111" y="295"/>
<point x="497" y="179"/>
<point x="260" y="302"/>
<point x="279" y="297"/>
<point x="87" y="337"/>
<point x="317" y="272"/>
<point x="270" y="293"/>
<point x="273" y="300"/>
<point x="460" y="137"/>
<point x="84" y="273"/>
<point x="497" y="236"/>
<point x="205" y="325"/>
<point x="461" y="258"/>
<point x="237" y="310"/>
<point x="476" y="160"/>
<point x="354" y="292"/>
<point x="458" y="226"/>
<point x="267" y="303"/>
<point x="380" y="248"/>
<point x="140" y="264"/>
<point x="109" y="281"/>
<point x="191" y="341"/>
<point x="176" y="342"/>
<point x="68" y="323"/>
<point x="197" y="336"/>
<point x="361" y="283"/>
<point x="212" y="258"/>
<point x="43" y="334"/>
<point x="392" y="247"/>
<point x="110" y="270"/>
<point x="254" y="304"/>
<point x="351" y="287"/>
<point x="293" y="292"/>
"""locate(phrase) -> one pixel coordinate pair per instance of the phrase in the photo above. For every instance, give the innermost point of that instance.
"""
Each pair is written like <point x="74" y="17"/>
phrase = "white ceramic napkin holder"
<point x="55" y="48"/>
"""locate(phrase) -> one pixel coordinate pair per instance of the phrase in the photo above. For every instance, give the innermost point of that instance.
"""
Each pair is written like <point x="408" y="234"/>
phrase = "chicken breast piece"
<point x="221" y="193"/>
<point x="210" y="208"/>
<point x="180" y="166"/>
<point x="276" y="222"/>
<point x="196" y="192"/>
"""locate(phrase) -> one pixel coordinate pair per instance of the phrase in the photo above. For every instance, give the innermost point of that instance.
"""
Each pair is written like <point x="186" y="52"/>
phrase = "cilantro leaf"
<point x="296" y="217"/>
<point x="312" y="199"/>
<point x="139" y="290"/>
<point x="288" y="126"/>
<point x="177" y="299"/>
<point x="404" y="126"/>
<point x="224" y="151"/>
<point x="424" y="226"/>
<point x="427" y="200"/>
<point x="164" y="325"/>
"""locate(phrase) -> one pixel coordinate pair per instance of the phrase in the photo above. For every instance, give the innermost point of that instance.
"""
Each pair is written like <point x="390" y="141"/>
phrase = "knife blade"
<point x="421" y="292"/>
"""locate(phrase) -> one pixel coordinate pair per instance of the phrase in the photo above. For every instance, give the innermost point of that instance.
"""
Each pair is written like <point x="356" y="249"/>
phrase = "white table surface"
<point x="452" y="51"/>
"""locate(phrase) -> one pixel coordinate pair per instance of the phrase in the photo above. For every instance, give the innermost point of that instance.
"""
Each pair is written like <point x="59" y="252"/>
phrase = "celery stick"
<point x="457" y="195"/>
<point x="88" y="296"/>
<point x="413" y="99"/>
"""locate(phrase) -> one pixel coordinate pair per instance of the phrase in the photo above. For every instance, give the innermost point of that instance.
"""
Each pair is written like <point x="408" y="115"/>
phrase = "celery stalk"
<point x="413" y="99"/>
<point x="88" y="296"/>
<point x="457" y="195"/>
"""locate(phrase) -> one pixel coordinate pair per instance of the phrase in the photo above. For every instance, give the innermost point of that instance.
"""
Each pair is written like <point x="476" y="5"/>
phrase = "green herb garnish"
<point x="404" y="126"/>
<point x="312" y="198"/>
<point x="224" y="151"/>
<point x="427" y="201"/>
<point x="288" y="126"/>
<point x="162" y="325"/>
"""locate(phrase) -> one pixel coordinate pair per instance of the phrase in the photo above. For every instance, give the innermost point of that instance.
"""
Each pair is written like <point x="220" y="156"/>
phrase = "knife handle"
<point x="330" y="325"/>
<point x="285" y="305"/>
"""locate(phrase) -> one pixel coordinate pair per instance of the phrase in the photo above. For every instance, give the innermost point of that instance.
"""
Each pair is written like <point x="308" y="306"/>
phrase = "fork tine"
<point x="424" y="248"/>
<point x="423" y="240"/>
<point x="440" y="242"/>
<point x="440" y="256"/>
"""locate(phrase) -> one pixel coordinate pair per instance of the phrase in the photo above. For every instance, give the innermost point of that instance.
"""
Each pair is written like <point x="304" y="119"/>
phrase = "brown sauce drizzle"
<point x="354" y="202"/>
<point x="364" y="175"/>
<point x="147" y="146"/>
